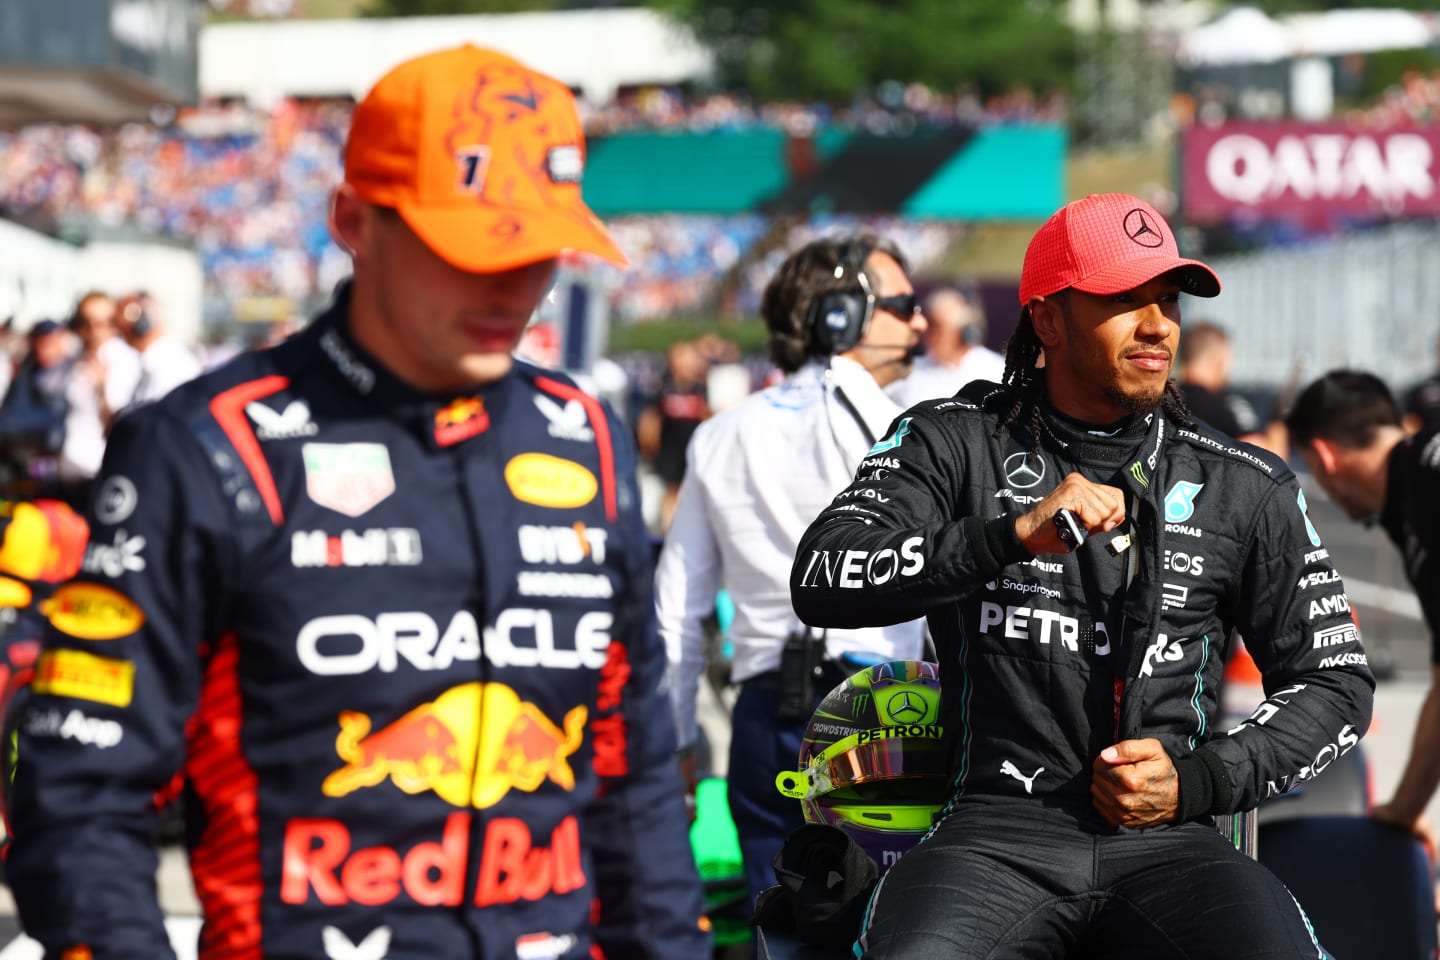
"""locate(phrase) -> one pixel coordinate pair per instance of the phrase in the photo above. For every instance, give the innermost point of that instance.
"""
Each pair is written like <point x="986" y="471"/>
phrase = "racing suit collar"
<point x="442" y="418"/>
<point x="1096" y="444"/>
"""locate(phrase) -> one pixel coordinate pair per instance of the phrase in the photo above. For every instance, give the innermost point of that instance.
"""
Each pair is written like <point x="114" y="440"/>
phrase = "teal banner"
<point x="1004" y="173"/>
<point x="1011" y="173"/>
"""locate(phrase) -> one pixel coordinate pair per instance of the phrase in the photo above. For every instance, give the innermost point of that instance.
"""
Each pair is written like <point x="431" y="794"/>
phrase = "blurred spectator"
<point x="12" y="349"/>
<point x="165" y="362"/>
<point x="665" y="428"/>
<point x="1348" y="431"/>
<point x="32" y="417"/>
<point x="1205" y="359"/>
<point x="955" y="351"/>
<point x="1422" y="403"/>
<point x="102" y="383"/>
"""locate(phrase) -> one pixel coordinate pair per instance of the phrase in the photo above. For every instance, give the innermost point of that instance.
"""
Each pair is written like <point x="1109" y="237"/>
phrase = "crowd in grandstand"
<point x="894" y="108"/>
<point x="249" y="188"/>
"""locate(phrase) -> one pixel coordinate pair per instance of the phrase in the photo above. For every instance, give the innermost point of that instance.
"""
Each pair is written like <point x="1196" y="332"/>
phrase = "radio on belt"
<point x="1073" y="535"/>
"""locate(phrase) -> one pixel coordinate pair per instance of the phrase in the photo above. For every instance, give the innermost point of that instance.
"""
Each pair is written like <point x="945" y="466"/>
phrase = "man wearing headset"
<point x="843" y="323"/>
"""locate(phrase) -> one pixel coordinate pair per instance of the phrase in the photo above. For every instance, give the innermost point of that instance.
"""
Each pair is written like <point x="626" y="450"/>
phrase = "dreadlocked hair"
<point x="1022" y="375"/>
<point x="1175" y="406"/>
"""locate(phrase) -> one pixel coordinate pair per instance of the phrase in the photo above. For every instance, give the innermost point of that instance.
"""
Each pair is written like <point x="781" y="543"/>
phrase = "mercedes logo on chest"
<point x="1141" y="227"/>
<point x="1024" y="470"/>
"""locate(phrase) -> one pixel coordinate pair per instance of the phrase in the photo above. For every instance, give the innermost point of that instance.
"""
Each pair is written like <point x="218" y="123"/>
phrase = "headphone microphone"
<point x="911" y="350"/>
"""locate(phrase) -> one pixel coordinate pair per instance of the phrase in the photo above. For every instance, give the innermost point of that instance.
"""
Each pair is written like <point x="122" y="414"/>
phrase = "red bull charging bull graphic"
<point x="439" y="747"/>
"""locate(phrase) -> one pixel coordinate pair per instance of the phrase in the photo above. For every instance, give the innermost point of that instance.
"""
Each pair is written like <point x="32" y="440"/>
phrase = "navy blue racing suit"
<point x="398" y="650"/>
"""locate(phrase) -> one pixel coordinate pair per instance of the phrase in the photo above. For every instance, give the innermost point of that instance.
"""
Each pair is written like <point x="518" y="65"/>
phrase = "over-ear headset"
<point x="838" y="318"/>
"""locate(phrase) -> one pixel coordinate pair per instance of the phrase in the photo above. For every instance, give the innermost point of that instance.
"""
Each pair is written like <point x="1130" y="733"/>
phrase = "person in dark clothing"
<point x="664" y="429"/>
<point x="1082" y="550"/>
<point x="1422" y="404"/>
<point x="1205" y="359"/>
<point x="32" y="417"/>
<point x="1348" y="430"/>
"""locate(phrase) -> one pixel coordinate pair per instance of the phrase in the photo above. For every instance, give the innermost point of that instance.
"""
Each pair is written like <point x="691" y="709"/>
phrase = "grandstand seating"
<point x="250" y="189"/>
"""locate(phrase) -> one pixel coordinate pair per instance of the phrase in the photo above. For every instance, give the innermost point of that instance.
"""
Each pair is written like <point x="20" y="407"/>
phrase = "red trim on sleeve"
<point x="228" y="408"/>
<point x="601" y="426"/>
<point x="226" y="861"/>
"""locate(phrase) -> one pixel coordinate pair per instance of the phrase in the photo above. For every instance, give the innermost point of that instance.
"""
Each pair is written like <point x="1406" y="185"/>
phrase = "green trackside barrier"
<point x="716" y="846"/>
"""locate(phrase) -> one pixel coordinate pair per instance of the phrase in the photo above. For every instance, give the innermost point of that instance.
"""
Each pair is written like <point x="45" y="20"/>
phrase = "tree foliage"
<point x="1277" y="7"/>
<point x="442" y="8"/>
<point x="833" y="51"/>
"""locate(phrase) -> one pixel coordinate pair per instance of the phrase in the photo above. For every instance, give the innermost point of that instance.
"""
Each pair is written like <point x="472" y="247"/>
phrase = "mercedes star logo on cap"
<point x="1142" y="229"/>
<point x="1022" y="471"/>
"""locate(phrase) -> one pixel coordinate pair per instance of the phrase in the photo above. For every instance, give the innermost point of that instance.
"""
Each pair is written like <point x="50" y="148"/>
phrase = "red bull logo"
<point x="318" y="861"/>
<point x="438" y="747"/>
<point x="460" y="419"/>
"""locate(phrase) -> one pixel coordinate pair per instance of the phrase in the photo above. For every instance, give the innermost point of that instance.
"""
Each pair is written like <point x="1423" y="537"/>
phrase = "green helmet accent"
<point x="873" y="761"/>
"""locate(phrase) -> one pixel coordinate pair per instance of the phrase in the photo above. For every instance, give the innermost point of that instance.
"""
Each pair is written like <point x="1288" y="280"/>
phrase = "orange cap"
<point x="481" y="156"/>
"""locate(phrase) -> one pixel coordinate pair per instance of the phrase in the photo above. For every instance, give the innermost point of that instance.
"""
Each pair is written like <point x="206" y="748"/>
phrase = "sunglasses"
<point x="904" y="305"/>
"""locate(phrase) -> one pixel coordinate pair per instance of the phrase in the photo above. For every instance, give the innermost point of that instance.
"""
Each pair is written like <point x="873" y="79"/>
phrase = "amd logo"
<point x="1324" y="607"/>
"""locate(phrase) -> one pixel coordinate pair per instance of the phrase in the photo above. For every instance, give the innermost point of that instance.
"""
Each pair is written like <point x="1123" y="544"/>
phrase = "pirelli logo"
<point x="1335" y="636"/>
<point x="84" y="676"/>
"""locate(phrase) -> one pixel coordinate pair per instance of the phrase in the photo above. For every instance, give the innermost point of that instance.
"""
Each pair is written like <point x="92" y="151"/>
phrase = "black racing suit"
<point x="1046" y="661"/>
<point x="1411" y="517"/>
<point x="400" y="651"/>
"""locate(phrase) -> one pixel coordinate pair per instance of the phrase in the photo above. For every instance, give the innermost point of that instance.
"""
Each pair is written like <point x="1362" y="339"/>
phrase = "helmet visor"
<point x="877" y="761"/>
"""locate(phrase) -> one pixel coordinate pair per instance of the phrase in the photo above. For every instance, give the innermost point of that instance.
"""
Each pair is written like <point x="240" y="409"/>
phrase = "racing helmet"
<point x="873" y="761"/>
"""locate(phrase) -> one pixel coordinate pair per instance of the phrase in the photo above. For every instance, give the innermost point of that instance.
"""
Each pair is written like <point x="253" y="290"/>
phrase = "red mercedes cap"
<point x="1107" y="243"/>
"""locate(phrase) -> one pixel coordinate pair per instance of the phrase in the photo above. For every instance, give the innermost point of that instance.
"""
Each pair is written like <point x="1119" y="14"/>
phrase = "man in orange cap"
<point x="1083" y="551"/>
<point x="381" y="611"/>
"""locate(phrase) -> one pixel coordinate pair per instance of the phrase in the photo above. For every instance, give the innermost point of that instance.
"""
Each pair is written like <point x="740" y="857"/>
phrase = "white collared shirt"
<point x="758" y="474"/>
<point x="932" y="380"/>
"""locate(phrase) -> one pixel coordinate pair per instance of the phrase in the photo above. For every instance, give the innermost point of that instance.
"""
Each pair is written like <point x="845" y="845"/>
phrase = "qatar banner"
<point x="1313" y="172"/>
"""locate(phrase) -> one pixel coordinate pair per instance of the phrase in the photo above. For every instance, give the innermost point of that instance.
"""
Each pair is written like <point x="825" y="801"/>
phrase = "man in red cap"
<point x="386" y="624"/>
<point x="1084" y="552"/>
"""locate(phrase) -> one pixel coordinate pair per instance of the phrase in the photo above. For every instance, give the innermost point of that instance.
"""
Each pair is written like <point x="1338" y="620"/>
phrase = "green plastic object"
<point x="716" y="846"/>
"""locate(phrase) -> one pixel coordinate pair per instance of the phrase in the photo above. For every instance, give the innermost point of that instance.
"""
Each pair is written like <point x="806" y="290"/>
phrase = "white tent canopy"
<point x="1359" y="31"/>
<point x="1246" y="35"/>
<point x="594" y="51"/>
<point x="1242" y="35"/>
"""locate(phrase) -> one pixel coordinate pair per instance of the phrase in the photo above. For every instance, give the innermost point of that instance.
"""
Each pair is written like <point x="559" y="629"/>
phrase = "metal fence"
<point x="1370" y="302"/>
